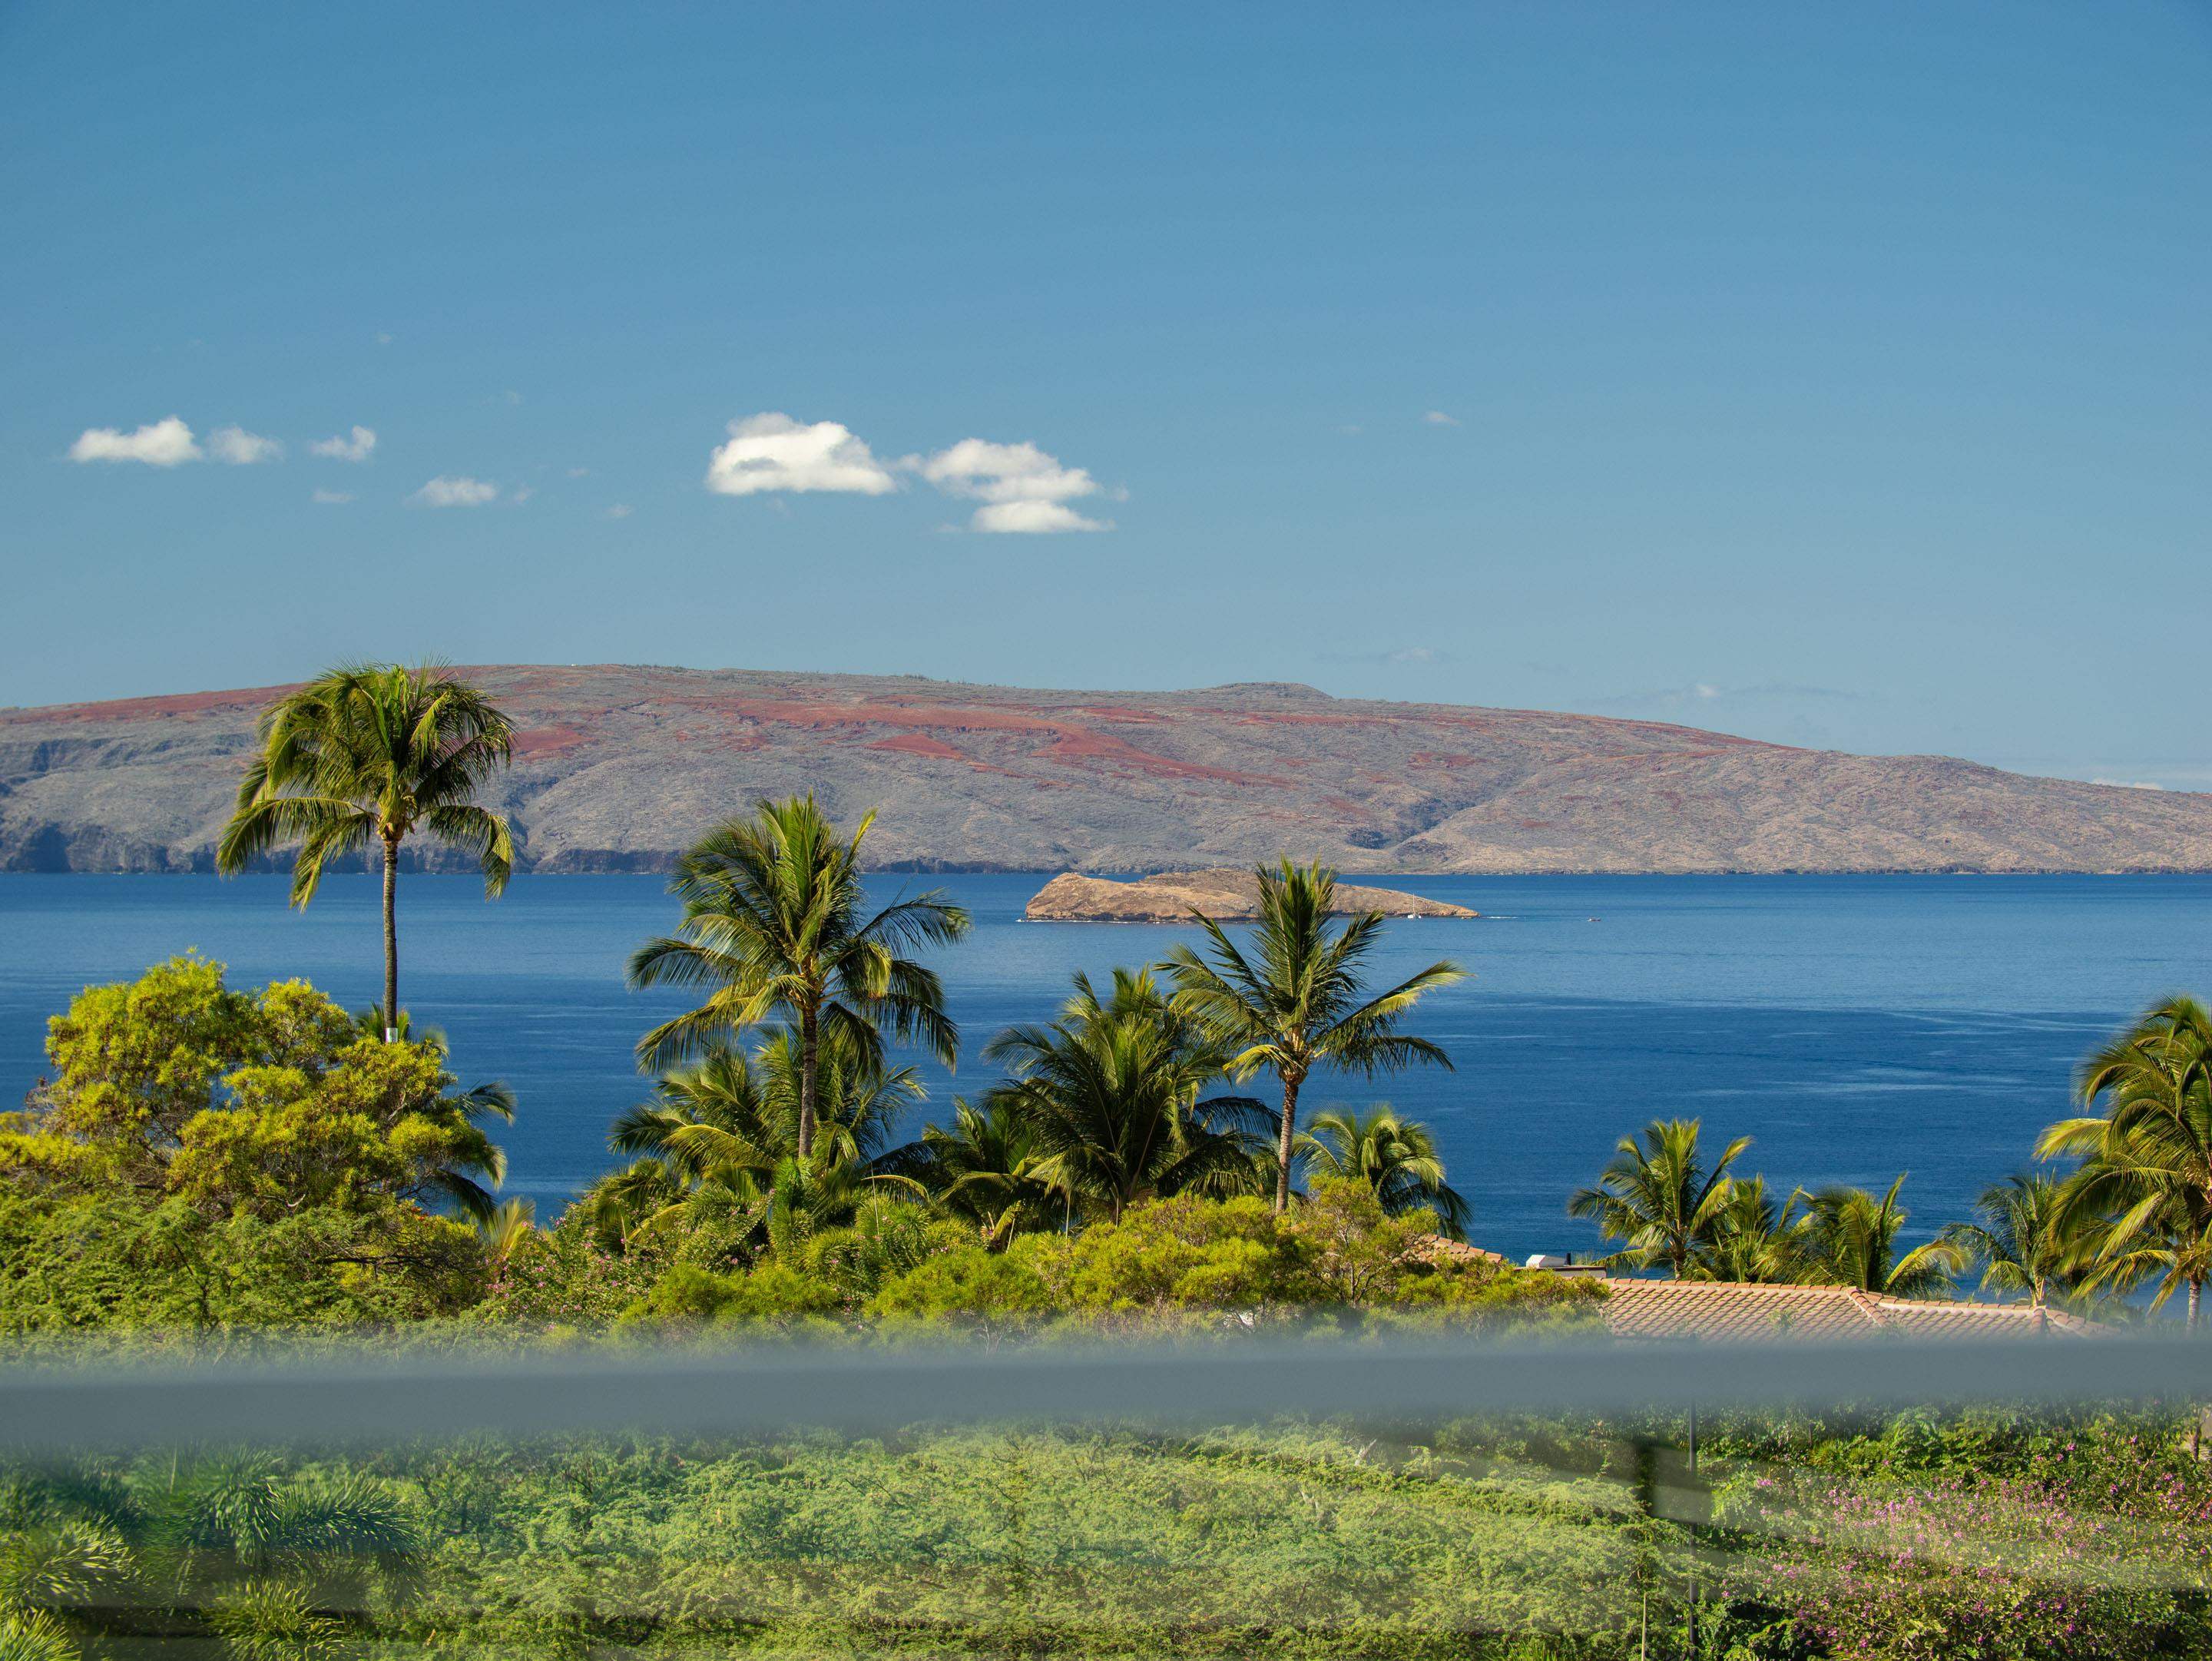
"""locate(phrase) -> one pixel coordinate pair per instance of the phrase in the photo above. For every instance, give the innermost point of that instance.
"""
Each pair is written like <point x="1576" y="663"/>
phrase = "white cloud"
<point x="241" y="449"/>
<point x="620" y="510"/>
<point x="158" y="444"/>
<point x="346" y="446"/>
<point x="578" y="472"/>
<point x="1438" y="418"/>
<point x="521" y="494"/>
<point x="1024" y="489"/>
<point x="771" y="452"/>
<point x="447" y="491"/>
<point x="1033" y="518"/>
<point x="383" y="339"/>
<point x="333" y="498"/>
<point x="2129" y="784"/>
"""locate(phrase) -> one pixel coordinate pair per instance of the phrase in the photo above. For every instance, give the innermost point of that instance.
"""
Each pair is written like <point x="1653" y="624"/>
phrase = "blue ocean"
<point x="1856" y="1027"/>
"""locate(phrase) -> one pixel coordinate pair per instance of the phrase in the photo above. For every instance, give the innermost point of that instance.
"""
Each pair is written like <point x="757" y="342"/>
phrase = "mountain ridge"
<point x="617" y="767"/>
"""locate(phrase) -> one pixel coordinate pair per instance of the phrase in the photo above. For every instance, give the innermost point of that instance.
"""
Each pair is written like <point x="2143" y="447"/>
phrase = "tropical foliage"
<point x="361" y="759"/>
<point x="1395" y="1158"/>
<point x="1660" y="1198"/>
<point x="1111" y="1093"/>
<point x="2143" y="1188"/>
<point x="1294" y="998"/>
<point x="777" y="927"/>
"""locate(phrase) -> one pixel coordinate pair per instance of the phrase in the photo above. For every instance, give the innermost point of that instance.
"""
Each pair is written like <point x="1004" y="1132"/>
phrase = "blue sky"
<point x="1837" y="375"/>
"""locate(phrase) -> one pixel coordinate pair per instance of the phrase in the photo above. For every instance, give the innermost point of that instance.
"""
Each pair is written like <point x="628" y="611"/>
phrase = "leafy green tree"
<point x="1396" y="1157"/>
<point x="2024" y="1241"/>
<point x="1111" y="1093"/>
<point x="1658" y="1197"/>
<point x="1851" y="1239"/>
<point x="224" y="1157"/>
<point x="365" y="755"/>
<point x="2143" y="1190"/>
<point x="1295" y="1000"/>
<point x="776" y="922"/>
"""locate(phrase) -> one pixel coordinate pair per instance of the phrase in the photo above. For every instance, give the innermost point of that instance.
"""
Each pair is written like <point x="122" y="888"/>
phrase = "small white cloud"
<point x="383" y="339"/>
<point x="521" y="493"/>
<point x="158" y="444"/>
<point x="1438" y="418"/>
<point x="1025" y="491"/>
<point x="2129" y="784"/>
<point x="511" y="397"/>
<point x="1705" y="691"/>
<point x="579" y="472"/>
<point x="447" y="491"/>
<point x="620" y="510"/>
<point x="241" y="449"/>
<point x="355" y="445"/>
<point x="333" y="498"/>
<point x="1350" y="428"/>
<point x="771" y="452"/>
<point x="1033" y="518"/>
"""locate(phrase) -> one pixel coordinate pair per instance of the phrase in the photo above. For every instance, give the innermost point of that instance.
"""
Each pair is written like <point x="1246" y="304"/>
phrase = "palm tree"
<point x="728" y="1113"/>
<point x="1751" y="1240"/>
<point x="774" y="920"/>
<point x="987" y="1169"/>
<point x="1657" y="1196"/>
<point x="2144" y="1187"/>
<point x="1396" y="1157"/>
<point x="511" y="1223"/>
<point x="1851" y="1240"/>
<point x="366" y="755"/>
<point x="1295" y="1000"/>
<point x="2025" y="1241"/>
<point x="1111" y="1093"/>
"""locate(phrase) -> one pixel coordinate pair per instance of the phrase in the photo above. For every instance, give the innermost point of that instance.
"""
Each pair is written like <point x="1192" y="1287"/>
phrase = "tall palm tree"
<point x="1295" y="1000"/>
<point x="1111" y="1092"/>
<point x="775" y="923"/>
<point x="2144" y="1186"/>
<point x="1851" y="1239"/>
<point x="1658" y="1197"/>
<point x="367" y="756"/>
<point x="2025" y="1240"/>
<point x="1396" y="1157"/>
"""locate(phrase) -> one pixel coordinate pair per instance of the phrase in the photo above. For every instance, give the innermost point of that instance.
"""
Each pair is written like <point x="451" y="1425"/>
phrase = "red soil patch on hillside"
<point x="548" y="740"/>
<point x="918" y="744"/>
<point x="1074" y="744"/>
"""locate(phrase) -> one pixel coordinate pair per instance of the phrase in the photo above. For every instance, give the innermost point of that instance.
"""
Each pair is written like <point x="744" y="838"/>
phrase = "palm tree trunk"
<point x="1283" y="1135"/>
<point x="390" y="939"/>
<point x="2195" y="1297"/>
<point x="810" y="1046"/>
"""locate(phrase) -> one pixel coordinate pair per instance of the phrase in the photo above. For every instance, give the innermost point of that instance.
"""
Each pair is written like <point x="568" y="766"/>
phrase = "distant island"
<point x="619" y="768"/>
<point x="1230" y="895"/>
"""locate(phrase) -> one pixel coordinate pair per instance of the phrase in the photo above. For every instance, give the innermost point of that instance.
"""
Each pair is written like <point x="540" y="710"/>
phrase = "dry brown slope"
<point x="620" y="766"/>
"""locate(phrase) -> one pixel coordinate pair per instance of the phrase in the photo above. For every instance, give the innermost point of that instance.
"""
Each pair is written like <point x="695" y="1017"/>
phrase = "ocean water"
<point x="1856" y="1027"/>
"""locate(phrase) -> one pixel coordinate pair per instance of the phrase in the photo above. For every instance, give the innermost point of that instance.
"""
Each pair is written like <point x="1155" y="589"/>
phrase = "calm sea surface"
<point x="1855" y="1027"/>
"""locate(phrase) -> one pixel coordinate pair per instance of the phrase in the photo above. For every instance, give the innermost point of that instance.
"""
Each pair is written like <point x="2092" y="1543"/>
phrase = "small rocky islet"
<point x="1227" y="896"/>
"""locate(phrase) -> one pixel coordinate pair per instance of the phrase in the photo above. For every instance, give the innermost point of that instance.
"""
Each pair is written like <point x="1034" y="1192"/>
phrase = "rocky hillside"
<point x="619" y="767"/>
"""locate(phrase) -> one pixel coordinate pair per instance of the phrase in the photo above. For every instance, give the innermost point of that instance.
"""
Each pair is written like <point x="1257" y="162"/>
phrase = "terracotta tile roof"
<point x="1438" y="1249"/>
<point x="1725" y="1311"/>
